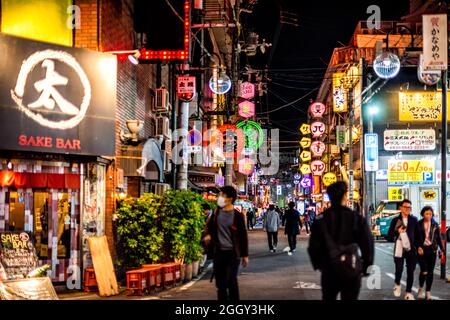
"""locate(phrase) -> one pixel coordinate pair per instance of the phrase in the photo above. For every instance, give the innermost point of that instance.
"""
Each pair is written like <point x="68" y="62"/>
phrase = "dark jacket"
<point x="435" y="235"/>
<point x="238" y="232"/>
<point x="292" y="222"/>
<point x="345" y="227"/>
<point x="411" y="230"/>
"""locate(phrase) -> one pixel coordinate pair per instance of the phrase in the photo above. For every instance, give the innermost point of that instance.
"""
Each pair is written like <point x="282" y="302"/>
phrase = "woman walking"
<point x="429" y="239"/>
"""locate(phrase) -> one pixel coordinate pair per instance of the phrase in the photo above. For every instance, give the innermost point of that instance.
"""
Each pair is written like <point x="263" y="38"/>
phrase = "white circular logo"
<point x="48" y="89"/>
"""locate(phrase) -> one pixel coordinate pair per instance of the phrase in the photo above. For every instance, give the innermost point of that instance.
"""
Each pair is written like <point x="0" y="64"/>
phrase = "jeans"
<point x="332" y="285"/>
<point x="226" y="268"/>
<point x="427" y="263"/>
<point x="272" y="237"/>
<point x="411" y="261"/>
<point x="292" y="239"/>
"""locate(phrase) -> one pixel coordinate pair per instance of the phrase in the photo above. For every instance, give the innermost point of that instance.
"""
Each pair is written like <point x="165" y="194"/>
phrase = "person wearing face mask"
<point x="429" y="240"/>
<point x="226" y="236"/>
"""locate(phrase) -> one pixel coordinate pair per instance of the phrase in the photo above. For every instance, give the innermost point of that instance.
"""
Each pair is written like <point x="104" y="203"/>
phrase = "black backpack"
<point x="345" y="260"/>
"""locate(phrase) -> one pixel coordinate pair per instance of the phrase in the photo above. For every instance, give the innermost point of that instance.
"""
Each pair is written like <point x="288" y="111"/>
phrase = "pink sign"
<point x="318" y="129"/>
<point x="318" y="167"/>
<point x="317" y="109"/>
<point x="246" y="109"/>
<point x="247" y="90"/>
<point x="318" y="148"/>
<point x="246" y="166"/>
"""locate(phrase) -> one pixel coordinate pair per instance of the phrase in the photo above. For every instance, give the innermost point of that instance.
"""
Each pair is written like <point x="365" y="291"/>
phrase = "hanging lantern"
<point x="318" y="129"/>
<point x="386" y="65"/>
<point x="318" y="167"/>
<point x="221" y="84"/>
<point x="317" y="109"/>
<point x="318" y="148"/>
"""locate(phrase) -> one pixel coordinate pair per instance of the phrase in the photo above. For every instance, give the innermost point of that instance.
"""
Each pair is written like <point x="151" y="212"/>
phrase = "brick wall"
<point x="87" y="35"/>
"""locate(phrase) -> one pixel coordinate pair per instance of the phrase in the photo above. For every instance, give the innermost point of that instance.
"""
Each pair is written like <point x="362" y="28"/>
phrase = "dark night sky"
<point x="307" y="48"/>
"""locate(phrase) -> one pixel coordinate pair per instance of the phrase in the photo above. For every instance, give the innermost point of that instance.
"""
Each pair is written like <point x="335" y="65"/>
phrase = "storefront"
<point x="57" y="123"/>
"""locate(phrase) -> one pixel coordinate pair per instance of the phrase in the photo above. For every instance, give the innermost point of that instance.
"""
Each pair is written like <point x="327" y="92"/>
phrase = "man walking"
<point x="250" y="219"/>
<point x="336" y="236"/>
<point x="271" y="225"/>
<point x="292" y="227"/>
<point x="226" y="236"/>
<point x="403" y="232"/>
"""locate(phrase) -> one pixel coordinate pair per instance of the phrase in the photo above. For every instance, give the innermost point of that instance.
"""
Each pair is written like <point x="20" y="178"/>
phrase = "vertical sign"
<point x="435" y="41"/>
<point x="340" y="136"/>
<point x="186" y="88"/>
<point x="371" y="151"/>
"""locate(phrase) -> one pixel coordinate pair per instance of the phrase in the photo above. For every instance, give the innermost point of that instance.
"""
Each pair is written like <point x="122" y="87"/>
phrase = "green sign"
<point x="253" y="134"/>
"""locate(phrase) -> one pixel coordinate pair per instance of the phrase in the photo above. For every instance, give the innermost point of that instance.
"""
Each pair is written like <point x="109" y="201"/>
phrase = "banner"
<point x="422" y="106"/>
<point x="435" y="41"/>
<point x="409" y="140"/>
<point x="402" y="172"/>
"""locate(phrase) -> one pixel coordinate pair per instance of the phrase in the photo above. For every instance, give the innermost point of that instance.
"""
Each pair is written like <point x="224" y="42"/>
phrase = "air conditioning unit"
<point x="166" y="161"/>
<point x="163" y="127"/>
<point x="160" y="188"/>
<point x="162" y="100"/>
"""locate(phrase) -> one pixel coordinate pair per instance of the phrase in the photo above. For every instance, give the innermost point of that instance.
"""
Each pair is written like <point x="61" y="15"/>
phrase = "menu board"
<point x="17" y="254"/>
<point x="28" y="289"/>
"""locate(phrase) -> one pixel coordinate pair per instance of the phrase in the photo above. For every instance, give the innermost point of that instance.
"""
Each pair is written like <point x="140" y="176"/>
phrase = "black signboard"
<point x="17" y="254"/>
<point x="56" y="99"/>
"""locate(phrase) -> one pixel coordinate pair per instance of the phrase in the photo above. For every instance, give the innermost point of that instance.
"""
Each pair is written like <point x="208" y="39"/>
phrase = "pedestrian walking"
<point x="428" y="242"/>
<point x="292" y="227"/>
<point x="336" y="236"/>
<point x="250" y="214"/>
<point x="403" y="232"/>
<point x="307" y="222"/>
<point x="225" y="236"/>
<point x="271" y="225"/>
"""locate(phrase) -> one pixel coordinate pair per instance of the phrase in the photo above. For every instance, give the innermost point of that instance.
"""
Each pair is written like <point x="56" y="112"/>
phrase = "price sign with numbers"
<point x="402" y="172"/>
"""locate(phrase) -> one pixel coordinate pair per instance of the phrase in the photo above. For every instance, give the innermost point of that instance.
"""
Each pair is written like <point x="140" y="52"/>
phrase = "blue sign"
<point x="371" y="152"/>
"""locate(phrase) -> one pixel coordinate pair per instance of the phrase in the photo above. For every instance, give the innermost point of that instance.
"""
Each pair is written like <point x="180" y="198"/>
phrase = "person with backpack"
<point x="403" y="232"/>
<point x="336" y="236"/>
<point x="225" y="238"/>
<point x="428" y="242"/>
<point x="271" y="224"/>
<point x="292" y="227"/>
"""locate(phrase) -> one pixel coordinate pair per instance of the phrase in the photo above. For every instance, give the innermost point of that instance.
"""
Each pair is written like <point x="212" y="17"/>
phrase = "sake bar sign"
<point x="17" y="254"/>
<point x="56" y="99"/>
<point x="409" y="140"/>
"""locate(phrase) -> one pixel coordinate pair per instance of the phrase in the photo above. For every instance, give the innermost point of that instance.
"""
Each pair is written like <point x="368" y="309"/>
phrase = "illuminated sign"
<point x="317" y="109"/>
<point x="318" y="148"/>
<point x="247" y="90"/>
<point x="396" y="193"/>
<point x="339" y="94"/>
<point x="371" y="152"/>
<point x="253" y="134"/>
<point x="318" y="167"/>
<point x="435" y="41"/>
<point x="421" y="106"/>
<point x="318" y="129"/>
<point x="409" y="140"/>
<point x="401" y="172"/>
<point x="186" y="88"/>
<point x="233" y="140"/>
<point x="305" y="156"/>
<point x="305" y="143"/>
<point x="329" y="178"/>
<point x="305" y="129"/>
<point x="246" y="109"/>
<point x="246" y="166"/>
<point x="306" y="182"/>
<point x="429" y="195"/>
<point x="305" y="169"/>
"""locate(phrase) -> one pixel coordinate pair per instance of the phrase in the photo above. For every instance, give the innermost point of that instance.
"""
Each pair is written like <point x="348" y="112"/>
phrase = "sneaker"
<point x="397" y="290"/>
<point x="294" y="250"/>
<point x="409" y="296"/>
<point x="428" y="296"/>
<point x="274" y="247"/>
<point x="289" y="253"/>
<point x="421" y="294"/>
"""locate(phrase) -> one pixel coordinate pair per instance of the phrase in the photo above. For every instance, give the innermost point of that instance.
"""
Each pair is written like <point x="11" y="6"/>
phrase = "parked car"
<point x="381" y="219"/>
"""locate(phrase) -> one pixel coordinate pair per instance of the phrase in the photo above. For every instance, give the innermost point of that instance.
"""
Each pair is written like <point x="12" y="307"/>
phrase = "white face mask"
<point x="221" y="202"/>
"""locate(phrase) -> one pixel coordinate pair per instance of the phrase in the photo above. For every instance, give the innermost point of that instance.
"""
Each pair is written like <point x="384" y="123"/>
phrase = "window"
<point x="64" y="209"/>
<point x="41" y="215"/>
<point x="16" y="211"/>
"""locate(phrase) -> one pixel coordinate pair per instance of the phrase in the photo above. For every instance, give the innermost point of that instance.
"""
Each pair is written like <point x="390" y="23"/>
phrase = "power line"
<point x="293" y="102"/>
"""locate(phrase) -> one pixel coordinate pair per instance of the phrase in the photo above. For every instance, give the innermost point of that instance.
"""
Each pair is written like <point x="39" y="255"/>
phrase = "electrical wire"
<point x="293" y="102"/>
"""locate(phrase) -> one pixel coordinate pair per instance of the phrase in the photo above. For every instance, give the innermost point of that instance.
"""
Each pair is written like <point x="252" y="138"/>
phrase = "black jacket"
<point x="411" y="230"/>
<point x="435" y="235"/>
<point x="238" y="232"/>
<point x="292" y="222"/>
<point x="345" y="227"/>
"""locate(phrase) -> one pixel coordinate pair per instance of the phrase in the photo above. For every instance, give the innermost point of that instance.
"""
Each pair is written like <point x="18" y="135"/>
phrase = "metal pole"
<point x="182" y="175"/>
<point x="350" y="146"/>
<point x="444" y="170"/>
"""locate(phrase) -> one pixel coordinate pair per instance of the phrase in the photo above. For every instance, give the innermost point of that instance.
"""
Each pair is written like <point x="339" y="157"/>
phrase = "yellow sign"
<point x="420" y="106"/>
<point x="329" y="178"/>
<point x="305" y="156"/>
<point x="396" y="193"/>
<point x="339" y="93"/>
<point x="429" y="195"/>
<point x="305" y="169"/>
<point x="401" y="172"/>
<point x="305" y="129"/>
<point x="305" y="143"/>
